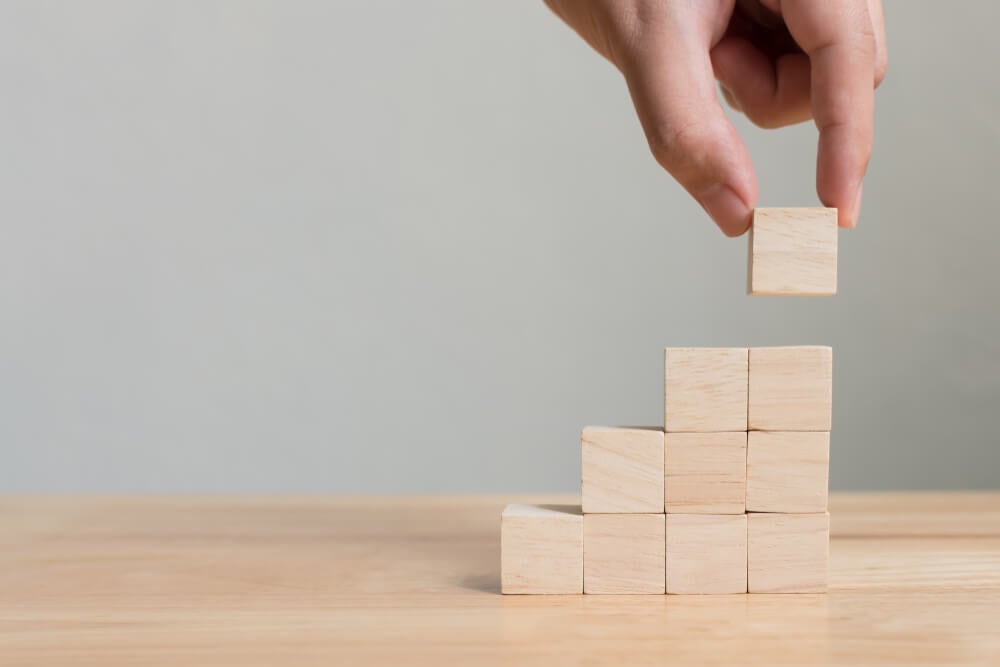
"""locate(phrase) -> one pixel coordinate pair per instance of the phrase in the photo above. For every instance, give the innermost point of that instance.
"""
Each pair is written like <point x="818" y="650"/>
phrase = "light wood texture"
<point x="706" y="553"/>
<point x="931" y="515"/>
<point x="623" y="553"/>
<point x="705" y="473"/>
<point x="793" y="251"/>
<point x="388" y="581"/>
<point x="791" y="388"/>
<point x="788" y="553"/>
<point x="705" y="389"/>
<point x="541" y="549"/>
<point x="788" y="471"/>
<point x="622" y="469"/>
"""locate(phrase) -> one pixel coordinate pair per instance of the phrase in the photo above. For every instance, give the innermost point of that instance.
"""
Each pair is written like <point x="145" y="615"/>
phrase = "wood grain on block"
<point x="622" y="470"/>
<point x="788" y="553"/>
<point x="793" y="251"/>
<point x="541" y="549"/>
<point x="705" y="389"/>
<point x="788" y="471"/>
<point x="705" y="473"/>
<point x="706" y="553"/>
<point x="791" y="388"/>
<point x="623" y="553"/>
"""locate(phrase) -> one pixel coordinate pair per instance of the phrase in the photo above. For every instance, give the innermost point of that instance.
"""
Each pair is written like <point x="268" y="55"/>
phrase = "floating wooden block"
<point x="788" y="553"/>
<point x="791" y="388"/>
<point x="705" y="389"/>
<point x="706" y="553"/>
<point x="622" y="470"/>
<point x="623" y="553"/>
<point x="705" y="473"/>
<point x="793" y="251"/>
<point x="541" y="549"/>
<point x="788" y="471"/>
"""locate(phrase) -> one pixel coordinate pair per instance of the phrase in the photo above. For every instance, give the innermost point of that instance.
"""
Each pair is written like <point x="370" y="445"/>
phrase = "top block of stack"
<point x="718" y="390"/>
<point x="793" y="251"/>
<point x="791" y="388"/>
<point x="705" y="389"/>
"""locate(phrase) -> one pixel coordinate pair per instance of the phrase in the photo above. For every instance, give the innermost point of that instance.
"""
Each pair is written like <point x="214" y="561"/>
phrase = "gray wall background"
<point x="416" y="246"/>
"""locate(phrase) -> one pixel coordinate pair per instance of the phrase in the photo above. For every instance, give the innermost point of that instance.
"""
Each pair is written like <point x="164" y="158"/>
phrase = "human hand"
<point x="778" y="61"/>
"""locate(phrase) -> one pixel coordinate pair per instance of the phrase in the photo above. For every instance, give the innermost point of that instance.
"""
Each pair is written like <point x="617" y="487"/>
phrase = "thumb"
<point x="670" y="79"/>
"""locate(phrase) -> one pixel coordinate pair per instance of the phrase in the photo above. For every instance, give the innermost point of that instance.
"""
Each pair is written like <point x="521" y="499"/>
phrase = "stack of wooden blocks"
<point x="729" y="496"/>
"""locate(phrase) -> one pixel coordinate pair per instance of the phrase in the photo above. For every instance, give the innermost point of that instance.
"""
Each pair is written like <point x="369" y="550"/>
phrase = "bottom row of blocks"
<point x="557" y="549"/>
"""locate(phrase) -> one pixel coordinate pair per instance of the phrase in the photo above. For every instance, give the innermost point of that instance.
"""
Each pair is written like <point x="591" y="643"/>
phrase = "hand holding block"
<point x="787" y="471"/>
<point x="706" y="553"/>
<point x="791" y="388"/>
<point x="705" y="473"/>
<point x="622" y="470"/>
<point x="623" y="553"/>
<point x="788" y="553"/>
<point x="541" y="549"/>
<point x="793" y="251"/>
<point x="705" y="389"/>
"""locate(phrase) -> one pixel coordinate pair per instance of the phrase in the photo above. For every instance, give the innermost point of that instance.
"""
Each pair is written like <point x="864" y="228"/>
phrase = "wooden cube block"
<point x="622" y="470"/>
<point x="623" y="553"/>
<point x="705" y="473"/>
<point x="541" y="549"/>
<point x="793" y="251"/>
<point x="788" y="553"/>
<point x="706" y="553"/>
<point x="791" y="388"/>
<point x="788" y="471"/>
<point x="705" y="389"/>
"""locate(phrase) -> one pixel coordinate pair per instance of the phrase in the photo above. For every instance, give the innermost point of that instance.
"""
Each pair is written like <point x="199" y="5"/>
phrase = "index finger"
<point x="839" y="39"/>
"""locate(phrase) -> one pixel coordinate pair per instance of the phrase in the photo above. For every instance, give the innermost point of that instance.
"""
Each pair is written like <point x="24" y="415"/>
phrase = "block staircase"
<point x="729" y="496"/>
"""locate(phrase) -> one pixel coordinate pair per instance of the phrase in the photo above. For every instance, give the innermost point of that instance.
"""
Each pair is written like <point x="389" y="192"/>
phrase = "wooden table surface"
<point x="415" y="580"/>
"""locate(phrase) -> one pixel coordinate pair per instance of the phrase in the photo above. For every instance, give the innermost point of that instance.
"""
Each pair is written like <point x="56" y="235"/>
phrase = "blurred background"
<point x="416" y="246"/>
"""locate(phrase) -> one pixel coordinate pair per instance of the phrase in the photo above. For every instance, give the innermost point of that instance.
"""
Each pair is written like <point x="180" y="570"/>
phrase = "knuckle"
<point x="686" y="151"/>
<point x="671" y="143"/>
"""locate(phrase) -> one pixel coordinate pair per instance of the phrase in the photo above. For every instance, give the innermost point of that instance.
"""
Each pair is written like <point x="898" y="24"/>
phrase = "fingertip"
<point x="850" y="220"/>
<point x="842" y="161"/>
<point x="738" y="230"/>
<point x="729" y="211"/>
<point x="847" y="215"/>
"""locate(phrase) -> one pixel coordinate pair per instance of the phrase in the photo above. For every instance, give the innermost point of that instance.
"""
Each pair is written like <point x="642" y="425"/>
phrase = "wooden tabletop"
<point x="408" y="580"/>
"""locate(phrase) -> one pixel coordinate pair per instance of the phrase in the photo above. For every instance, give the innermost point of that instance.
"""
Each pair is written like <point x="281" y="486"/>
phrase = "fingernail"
<point x="857" y="207"/>
<point x="729" y="211"/>
<point x="730" y="98"/>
